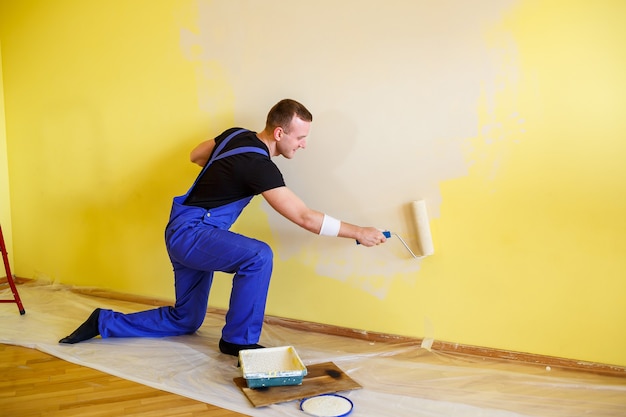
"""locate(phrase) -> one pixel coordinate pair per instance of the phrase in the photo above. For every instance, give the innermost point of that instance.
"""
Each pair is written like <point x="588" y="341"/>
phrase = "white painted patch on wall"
<point x="394" y="92"/>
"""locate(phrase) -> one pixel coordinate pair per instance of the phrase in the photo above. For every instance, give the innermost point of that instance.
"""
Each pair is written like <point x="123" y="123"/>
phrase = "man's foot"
<point x="233" y="349"/>
<point x="86" y="331"/>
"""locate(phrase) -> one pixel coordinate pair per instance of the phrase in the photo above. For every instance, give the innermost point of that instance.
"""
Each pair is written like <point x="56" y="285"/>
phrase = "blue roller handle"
<point x="387" y="234"/>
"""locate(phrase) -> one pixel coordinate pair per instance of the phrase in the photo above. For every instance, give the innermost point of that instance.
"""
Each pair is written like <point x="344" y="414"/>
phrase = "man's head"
<point x="283" y="112"/>
<point x="288" y="122"/>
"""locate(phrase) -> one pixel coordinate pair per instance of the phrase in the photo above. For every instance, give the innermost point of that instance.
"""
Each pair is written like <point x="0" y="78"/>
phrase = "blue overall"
<point x="198" y="242"/>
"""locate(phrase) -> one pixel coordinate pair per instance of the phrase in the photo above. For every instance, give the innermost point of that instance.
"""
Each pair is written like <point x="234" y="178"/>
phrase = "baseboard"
<point x="448" y="347"/>
<point x="441" y="346"/>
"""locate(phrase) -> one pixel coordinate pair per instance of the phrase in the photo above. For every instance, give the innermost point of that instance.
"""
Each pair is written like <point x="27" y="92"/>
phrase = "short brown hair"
<point x="283" y="111"/>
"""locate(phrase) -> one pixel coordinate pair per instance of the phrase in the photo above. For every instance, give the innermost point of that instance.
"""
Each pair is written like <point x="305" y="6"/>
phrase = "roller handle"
<point x="387" y="234"/>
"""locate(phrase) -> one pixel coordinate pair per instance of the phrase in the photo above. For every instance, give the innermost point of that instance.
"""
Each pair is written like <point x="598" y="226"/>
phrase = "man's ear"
<point x="278" y="133"/>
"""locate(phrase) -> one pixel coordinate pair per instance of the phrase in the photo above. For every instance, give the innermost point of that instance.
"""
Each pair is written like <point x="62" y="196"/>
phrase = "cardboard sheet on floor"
<point x="322" y="378"/>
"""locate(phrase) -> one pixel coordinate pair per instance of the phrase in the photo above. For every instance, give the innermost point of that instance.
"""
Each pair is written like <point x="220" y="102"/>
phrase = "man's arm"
<point x="289" y="205"/>
<point x="201" y="153"/>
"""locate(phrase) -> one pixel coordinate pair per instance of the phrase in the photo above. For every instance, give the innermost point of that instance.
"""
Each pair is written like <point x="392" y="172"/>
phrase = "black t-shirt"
<point x="237" y="176"/>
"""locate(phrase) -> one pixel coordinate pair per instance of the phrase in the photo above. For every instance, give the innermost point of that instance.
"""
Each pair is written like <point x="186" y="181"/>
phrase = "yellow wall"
<point x="506" y="117"/>
<point x="5" y="202"/>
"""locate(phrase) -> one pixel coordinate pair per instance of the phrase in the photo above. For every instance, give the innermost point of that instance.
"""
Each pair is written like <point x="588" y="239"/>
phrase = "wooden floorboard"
<point x="35" y="384"/>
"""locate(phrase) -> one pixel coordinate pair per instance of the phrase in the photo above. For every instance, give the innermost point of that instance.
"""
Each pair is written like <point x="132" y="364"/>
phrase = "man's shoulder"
<point x="247" y="138"/>
<point x="230" y="131"/>
<point x="240" y="134"/>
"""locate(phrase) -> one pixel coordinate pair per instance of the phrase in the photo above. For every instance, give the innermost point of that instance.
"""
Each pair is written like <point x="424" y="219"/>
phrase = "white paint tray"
<point x="270" y="367"/>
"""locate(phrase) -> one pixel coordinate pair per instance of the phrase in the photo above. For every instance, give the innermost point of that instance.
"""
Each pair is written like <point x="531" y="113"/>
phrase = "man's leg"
<point x="187" y="315"/>
<point x="195" y="254"/>
<point x="192" y="289"/>
<point x="251" y="261"/>
<point x="244" y="319"/>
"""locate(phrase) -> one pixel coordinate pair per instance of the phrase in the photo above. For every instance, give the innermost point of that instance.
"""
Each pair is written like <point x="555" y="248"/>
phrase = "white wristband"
<point x="330" y="226"/>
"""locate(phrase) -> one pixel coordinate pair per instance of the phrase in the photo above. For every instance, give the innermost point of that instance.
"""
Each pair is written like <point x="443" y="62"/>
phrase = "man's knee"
<point x="187" y="321"/>
<point x="265" y="252"/>
<point x="261" y="257"/>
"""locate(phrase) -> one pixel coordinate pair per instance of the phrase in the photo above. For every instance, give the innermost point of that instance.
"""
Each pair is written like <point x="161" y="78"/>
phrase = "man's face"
<point x="293" y="138"/>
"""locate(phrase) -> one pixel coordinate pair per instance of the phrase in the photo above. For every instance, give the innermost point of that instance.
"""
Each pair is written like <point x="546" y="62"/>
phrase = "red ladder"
<point x="7" y="268"/>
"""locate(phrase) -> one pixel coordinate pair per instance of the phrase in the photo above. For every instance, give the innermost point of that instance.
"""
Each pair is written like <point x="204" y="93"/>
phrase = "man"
<point x="237" y="166"/>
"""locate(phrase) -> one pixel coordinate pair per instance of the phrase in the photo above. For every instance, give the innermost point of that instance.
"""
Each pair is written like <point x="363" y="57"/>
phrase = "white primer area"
<point x="394" y="89"/>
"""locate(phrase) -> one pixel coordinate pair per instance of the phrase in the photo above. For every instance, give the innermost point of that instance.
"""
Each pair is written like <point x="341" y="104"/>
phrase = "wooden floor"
<point x="35" y="384"/>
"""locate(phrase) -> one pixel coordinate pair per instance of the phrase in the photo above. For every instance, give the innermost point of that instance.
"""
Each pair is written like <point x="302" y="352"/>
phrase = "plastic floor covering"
<point x="398" y="379"/>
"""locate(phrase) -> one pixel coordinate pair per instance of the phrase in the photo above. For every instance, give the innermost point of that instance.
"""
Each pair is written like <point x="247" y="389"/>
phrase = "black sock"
<point x="85" y="331"/>
<point x="233" y="349"/>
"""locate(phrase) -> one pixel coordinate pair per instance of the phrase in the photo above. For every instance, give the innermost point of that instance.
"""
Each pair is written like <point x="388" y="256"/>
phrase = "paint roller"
<point x="424" y="237"/>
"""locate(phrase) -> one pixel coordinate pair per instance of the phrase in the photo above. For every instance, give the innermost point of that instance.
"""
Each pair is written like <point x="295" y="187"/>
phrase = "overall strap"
<point x="218" y="154"/>
<point x="221" y="146"/>
<point x="237" y="151"/>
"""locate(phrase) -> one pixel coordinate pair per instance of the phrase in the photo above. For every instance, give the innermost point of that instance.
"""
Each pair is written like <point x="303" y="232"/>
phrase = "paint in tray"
<point x="270" y="367"/>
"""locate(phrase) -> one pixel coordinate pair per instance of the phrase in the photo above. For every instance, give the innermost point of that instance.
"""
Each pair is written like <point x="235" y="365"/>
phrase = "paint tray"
<point x="271" y="367"/>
